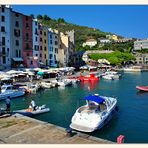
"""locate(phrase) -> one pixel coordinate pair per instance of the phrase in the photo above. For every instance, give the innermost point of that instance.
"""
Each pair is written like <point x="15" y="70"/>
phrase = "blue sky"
<point x="125" y="20"/>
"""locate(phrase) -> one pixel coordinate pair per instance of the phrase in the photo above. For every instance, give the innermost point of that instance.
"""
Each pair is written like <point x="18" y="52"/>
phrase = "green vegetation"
<point x="115" y="58"/>
<point x="122" y="51"/>
<point x="82" y="33"/>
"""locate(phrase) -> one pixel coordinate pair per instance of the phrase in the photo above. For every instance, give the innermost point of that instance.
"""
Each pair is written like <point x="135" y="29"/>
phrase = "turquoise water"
<point x="131" y="120"/>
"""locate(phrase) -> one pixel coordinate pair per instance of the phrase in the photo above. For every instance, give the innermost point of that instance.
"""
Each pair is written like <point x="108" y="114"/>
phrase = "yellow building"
<point x="63" y="53"/>
<point x="115" y="37"/>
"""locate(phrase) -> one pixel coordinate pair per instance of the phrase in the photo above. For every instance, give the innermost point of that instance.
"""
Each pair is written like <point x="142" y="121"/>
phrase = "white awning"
<point x="18" y="59"/>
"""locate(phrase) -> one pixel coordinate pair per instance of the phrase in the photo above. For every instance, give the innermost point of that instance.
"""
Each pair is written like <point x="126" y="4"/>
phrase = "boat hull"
<point x="142" y="88"/>
<point x="11" y="95"/>
<point x="28" y="112"/>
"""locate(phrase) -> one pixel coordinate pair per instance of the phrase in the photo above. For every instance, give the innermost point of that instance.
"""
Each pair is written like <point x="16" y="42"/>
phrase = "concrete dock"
<point x="18" y="129"/>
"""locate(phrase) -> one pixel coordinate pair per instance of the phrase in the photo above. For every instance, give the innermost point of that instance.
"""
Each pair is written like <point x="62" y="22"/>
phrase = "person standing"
<point x="8" y="103"/>
<point x="33" y="104"/>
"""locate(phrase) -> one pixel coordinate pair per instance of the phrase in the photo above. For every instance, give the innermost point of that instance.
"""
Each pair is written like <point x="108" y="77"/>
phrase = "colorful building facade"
<point x="5" y="42"/>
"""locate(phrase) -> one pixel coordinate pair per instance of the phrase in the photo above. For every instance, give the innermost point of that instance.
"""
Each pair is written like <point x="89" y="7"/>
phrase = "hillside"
<point x="82" y="33"/>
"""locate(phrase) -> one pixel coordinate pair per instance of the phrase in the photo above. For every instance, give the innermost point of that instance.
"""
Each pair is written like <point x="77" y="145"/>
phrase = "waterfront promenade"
<point x="18" y="129"/>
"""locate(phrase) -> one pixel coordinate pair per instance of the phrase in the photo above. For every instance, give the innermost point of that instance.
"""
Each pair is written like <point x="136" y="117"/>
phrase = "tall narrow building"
<point x="35" y="31"/>
<point x="27" y="41"/>
<point x="16" y="38"/>
<point x="5" y="42"/>
<point x="45" y="45"/>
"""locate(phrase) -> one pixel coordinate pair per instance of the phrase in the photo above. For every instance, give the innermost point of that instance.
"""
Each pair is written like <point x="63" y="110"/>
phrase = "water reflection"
<point x="142" y="93"/>
<point x="89" y="85"/>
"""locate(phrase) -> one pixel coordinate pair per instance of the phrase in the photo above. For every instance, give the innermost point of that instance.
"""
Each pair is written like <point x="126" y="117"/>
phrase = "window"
<point x="40" y="32"/>
<point x="56" y="43"/>
<point x="40" y="55"/>
<point x="8" y="50"/>
<point x="26" y="18"/>
<point x="16" y="24"/>
<point x="17" y="53"/>
<point x="50" y="41"/>
<point x="45" y="56"/>
<point x="3" y="18"/>
<point x="36" y="32"/>
<point x="27" y="25"/>
<point x="3" y="40"/>
<point x="27" y="54"/>
<point x="51" y="36"/>
<point x="45" y="48"/>
<point x="16" y="32"/>
<point x="35" y="23"/>
<point x="16" y="14"/>
<point x="17" y="42"/>
<point x="36" y="55"/>
<point x="56" y="50"/>
<point x="50" y="56"/>
<point x="44" y="33"/>
<point x="3" y="51"/>
<point x="36" y="47"/>
<point x="4" y="59"/>
<point x="27" y="36"/>
<point x="40" y="47"/>
<point x="40" y="39"/>
<point x="44" y="41"/>
<point x="36" y="39"/>
<point x="3" y="9"/>
<point x="56" y="37"/>
<point x="27" y="46"/>
<point x="2" y="29"/>
<point x="31" y="62"/>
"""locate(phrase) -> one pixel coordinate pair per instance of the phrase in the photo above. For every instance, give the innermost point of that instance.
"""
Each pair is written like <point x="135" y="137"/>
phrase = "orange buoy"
<point x="120" y="139"/>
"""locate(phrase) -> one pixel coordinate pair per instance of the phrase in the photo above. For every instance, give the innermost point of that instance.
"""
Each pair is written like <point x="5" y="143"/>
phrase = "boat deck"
<point x="81" y="128"/>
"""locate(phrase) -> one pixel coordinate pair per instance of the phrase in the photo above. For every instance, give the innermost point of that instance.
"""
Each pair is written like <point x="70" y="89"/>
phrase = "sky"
<point x="129" y="21"/>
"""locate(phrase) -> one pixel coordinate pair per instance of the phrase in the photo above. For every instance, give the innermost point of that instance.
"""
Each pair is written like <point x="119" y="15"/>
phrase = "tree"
<point x="61" y="20"/>
<point x="39" y="17"/>
<point x="32" y="15"/>
<point x="46" y="18"/>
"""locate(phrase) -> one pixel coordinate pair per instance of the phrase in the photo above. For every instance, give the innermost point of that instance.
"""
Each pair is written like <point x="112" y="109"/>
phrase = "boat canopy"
<point x="94" y="98"/>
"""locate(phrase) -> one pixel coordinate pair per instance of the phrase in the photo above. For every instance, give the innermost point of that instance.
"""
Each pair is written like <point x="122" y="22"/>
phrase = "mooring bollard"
<point x="69" y="132"/>
<point x="120" y="139"/>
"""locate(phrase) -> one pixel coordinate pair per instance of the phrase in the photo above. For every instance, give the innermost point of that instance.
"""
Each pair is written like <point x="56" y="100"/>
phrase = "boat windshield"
<point x="3" y="88"/>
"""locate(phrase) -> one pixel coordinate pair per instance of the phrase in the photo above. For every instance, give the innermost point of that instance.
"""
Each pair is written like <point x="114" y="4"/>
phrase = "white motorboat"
<point x="108" y="77"/>
<point x="9" y="90"/>
<point x="111" y="75"/>
<point x="95" y="114"/>
<point x="29" y="112"/>
<point x="64" y="82"/>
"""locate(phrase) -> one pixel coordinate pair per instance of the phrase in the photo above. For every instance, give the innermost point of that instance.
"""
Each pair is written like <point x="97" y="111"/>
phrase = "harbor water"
<point x="130" y="121"/>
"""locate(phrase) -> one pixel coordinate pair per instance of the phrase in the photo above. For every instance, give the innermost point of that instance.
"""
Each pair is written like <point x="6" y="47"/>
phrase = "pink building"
<point x="27" y="44"/>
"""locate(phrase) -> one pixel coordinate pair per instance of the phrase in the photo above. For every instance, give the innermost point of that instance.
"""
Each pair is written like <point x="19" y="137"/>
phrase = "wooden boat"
<point x="30" y="112"/>
<point x="142" y="88"/>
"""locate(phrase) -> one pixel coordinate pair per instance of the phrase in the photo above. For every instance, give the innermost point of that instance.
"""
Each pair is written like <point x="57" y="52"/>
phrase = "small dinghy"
<point x="30" y="112"/>
<point x="142" y="88"/>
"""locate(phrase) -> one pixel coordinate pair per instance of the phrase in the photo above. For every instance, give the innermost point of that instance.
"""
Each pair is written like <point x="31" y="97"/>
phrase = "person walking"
<point x="8" y="103"/>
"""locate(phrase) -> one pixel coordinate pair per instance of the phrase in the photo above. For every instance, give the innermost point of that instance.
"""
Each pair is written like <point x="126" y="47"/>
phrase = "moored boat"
<point x="90" y="77"/>
<point x="95" y="114"/>
<point x="142" y="88"/>
<point x="9" y="90"/>
<point x="29" y="112"/>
